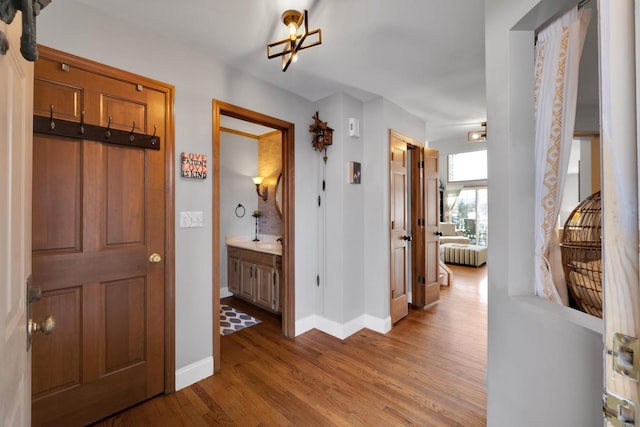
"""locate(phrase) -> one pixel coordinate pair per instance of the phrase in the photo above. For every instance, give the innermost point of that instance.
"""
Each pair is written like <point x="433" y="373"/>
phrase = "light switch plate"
<point x="191" y="219"/>
<point x="185" y="219"/>
<point x="196" y="219"/>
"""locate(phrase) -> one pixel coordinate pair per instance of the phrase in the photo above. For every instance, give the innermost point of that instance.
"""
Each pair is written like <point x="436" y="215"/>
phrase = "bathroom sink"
<point x="268" y="245"/>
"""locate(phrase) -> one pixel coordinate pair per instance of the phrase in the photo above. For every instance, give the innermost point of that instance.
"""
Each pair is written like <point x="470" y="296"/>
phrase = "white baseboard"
<point x="377" y="324"/>
<point x="194" y="372"/>
<point x="343" y="330"/>
<point x="224" y="292"/>
<point x="306" y="324"/>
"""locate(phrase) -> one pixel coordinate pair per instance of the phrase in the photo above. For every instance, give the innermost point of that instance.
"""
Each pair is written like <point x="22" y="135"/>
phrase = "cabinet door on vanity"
<point x="265" y="279"/>
<point x="233" y="274"/>
<point x="246" y="279"/>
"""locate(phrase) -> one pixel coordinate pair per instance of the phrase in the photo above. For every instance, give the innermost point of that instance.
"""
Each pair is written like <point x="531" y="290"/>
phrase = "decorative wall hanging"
<point x="194" y="166"/>
<point x="354" y="173"/>
<point x="30" y="9"/>
<point x="322" y="135"/>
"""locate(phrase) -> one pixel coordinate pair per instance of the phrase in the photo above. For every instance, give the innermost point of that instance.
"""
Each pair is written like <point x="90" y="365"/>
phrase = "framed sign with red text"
<point x="194" y="165"/>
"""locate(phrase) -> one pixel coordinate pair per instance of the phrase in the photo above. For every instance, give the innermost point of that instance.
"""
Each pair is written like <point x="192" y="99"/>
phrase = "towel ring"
<point x="240" y="211"/>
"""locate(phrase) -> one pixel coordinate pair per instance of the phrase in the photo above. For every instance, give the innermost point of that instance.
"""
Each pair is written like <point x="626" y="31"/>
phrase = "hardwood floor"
<point x="428" y="370"/>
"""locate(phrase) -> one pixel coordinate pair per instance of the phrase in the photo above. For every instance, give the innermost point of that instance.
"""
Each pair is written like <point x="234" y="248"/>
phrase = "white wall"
<point x="238" y="163"/>
<point x="380" y="116"/>
<point x="77" y="29"/>
<point x="355" y="285"/>
<point x="544" y="361"/>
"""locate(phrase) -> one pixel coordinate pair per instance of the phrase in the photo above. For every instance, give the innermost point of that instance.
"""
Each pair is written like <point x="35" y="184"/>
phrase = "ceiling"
<point x="426" y="56"/>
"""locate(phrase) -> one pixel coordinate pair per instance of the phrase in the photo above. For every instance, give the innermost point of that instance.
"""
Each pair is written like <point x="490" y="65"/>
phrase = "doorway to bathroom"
<point x="223" y="111"/>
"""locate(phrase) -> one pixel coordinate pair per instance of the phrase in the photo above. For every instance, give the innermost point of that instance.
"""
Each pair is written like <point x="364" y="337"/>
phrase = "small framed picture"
<point x="354" y="173"/>
<point x="194" y="165"/>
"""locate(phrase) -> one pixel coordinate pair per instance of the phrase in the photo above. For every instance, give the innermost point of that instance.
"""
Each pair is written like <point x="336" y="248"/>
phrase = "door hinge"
<point x="420" y="222"/>
<point x="421" y="164"/>
<point x="619" y="411"/>
<point x="625" y="355"/>
<point x="317" y="280"/>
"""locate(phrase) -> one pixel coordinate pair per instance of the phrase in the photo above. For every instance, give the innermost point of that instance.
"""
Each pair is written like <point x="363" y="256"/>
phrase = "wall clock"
<point x="322" y="135"/>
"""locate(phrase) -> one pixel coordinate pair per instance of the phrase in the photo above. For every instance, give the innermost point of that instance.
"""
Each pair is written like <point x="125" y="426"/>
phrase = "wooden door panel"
<point x="125" y="329"/>
<point x="246" y="279"/>
<point x="56" y="208"/>
<point x="398" y="221"/>
<point x="264" y="288"/>
<point x="123" y="113"/>
<point x="233" y="268"/>
<point x="66" y="100"/>
<point x="398" y="272"/>
<point x="432" y="209"/>
<point x="60" y="352"/>
<point x="125" y="196"/>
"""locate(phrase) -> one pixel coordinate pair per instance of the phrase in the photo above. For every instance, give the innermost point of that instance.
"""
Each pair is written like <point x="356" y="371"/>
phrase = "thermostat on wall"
<point x="354" y="127"/>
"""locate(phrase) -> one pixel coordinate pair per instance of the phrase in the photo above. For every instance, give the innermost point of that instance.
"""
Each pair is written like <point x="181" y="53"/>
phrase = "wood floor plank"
<point x="428" y="370"/>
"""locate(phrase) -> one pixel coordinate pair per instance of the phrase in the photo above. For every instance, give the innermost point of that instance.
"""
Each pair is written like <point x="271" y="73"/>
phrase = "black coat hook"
<point x="107" y="133"/>
<point x="153" y="137"/>
<point x="131" y="136"/>
<point x="52" y="124"/>
<point x="82" y="122"/>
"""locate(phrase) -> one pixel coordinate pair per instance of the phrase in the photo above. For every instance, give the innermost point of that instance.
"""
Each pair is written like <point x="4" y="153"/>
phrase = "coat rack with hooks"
<point x="69" y="129"/>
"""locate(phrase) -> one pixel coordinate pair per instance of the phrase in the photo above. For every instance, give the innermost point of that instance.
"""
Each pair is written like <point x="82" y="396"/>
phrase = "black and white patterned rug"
<point x="232" y="320"/>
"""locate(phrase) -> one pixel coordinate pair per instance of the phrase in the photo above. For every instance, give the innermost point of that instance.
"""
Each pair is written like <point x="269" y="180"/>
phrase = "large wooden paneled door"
<point x="100" y="247"/>
<point x="431" y="222"/>
<point x="425" y="259"/>
<point x="399" y="238"/>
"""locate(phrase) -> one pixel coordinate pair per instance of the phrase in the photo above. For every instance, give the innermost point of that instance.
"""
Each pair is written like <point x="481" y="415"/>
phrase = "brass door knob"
<point x="155" y="258"/>
<point x="46" y="326"/>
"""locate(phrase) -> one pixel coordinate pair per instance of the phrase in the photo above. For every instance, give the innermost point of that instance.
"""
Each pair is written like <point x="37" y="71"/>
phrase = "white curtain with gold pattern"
<point x="558" y="51"/>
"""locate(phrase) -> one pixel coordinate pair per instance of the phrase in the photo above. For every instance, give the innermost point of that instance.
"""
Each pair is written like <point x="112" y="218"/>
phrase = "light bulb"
<point x="293" y="30"/>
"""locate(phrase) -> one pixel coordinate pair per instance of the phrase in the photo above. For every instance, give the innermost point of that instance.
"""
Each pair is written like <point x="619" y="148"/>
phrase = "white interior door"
<point x="619" y="75"/>
<point x="16" y="124"/>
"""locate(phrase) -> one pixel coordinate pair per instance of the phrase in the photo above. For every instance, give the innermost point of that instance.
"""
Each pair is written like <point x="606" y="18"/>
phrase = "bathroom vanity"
<point x="254" y="272"/>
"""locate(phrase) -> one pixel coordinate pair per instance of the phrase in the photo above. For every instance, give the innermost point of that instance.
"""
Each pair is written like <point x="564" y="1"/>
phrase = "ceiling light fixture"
<point x="478" y="135"/>
<point x="294" y="19"/>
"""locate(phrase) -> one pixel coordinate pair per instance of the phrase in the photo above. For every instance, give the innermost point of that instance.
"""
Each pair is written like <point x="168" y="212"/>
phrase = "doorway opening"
<point x="287" y="210"/>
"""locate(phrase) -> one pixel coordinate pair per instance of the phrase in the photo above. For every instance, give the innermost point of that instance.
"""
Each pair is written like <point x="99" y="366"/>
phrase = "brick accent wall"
<point x="270" y="166"/>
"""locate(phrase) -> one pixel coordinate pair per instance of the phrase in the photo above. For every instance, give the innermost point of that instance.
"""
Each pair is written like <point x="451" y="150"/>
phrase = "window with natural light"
<point x="469" y="166"/>
<point x="470" y="214"/>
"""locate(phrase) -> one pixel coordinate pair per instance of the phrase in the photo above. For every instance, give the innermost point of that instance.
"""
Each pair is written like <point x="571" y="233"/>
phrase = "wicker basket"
<point x="582" y="255"/>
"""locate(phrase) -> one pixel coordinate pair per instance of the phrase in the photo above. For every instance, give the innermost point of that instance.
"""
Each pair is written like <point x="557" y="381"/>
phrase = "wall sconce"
<point x="257" y="180"/>
<point x="478" y="135"/>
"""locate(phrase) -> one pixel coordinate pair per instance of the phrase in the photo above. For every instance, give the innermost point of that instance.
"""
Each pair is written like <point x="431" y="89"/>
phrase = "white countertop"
<point x="267" y="243"/>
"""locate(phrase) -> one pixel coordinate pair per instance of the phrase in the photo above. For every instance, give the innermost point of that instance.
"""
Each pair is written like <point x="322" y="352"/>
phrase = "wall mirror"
<point x="278" y="195"/>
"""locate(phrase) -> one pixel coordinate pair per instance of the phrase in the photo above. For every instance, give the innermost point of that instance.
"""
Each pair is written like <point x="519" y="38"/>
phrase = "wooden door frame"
<point x="169" y="194"/>
<point x="288" y="229"/>
<point x="413" y="209"/>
